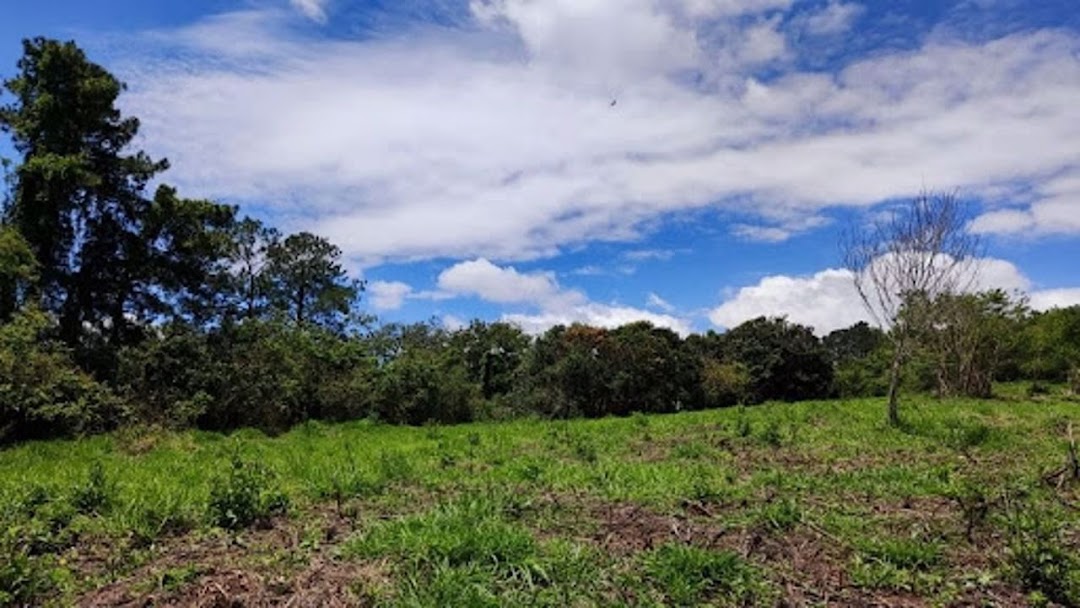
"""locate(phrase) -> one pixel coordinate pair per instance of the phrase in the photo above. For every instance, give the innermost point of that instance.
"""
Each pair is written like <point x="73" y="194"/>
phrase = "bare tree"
<point x="905" y="260"/>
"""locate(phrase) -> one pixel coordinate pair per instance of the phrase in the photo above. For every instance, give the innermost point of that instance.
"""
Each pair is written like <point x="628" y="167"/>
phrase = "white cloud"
<point x="312" y="9"/>
<point x="500" y="140"/>
<point x="453" y="323"/>
<point x="764" y="234"/>
<point x="388" y="295"/>
<point x="540" y="291"/>
<point x="1054" y="210"/>
<point x="645" y="255"/>
<point x="596" y="315"/>
<point x="824" y="301"/>
<point x="655" y="301"/>
<point x="731" y="8"/>
<point x="828" y="300"/>
<point x="835" y="18"/>
<point x="1055" y="298"/>
<point x="598" y="43"/>
<point x="501" y="285"/>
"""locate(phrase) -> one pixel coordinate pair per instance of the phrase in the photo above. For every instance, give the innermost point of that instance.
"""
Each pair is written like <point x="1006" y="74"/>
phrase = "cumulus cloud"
<point x="828" y="300"/>
<point x="388" y="295"/>
<point x="825" y="301"/>
<point x="597" y="315"/>
<point x="500" y="139"/>
<point x="1055" y="298"/>
<point x="552" y="304"/>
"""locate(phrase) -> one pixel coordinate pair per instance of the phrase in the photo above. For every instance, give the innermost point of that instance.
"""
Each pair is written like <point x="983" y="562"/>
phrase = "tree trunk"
<point x="894" y="384"/>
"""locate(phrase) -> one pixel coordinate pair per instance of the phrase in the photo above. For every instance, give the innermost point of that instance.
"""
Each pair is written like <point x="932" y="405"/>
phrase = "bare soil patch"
<point x="280" y="565"/>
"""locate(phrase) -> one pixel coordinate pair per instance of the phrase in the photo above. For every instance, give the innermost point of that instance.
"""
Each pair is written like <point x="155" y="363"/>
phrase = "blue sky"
<point x="689" y="162"/>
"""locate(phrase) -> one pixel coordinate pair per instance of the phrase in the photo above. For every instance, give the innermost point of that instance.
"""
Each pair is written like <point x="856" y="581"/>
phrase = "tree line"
<point x="120" y="306"/>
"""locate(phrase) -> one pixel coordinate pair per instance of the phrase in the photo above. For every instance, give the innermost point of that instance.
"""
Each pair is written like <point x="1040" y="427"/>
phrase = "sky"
<point x="687" y="162"/>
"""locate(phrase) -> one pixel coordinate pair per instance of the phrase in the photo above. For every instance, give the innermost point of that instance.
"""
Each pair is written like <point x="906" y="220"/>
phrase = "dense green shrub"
<point x="263" y="374"/>
<point x="423" y="386"/>
<point x="786" y="361"/>
<point x="863" y="377"/>
<point x="170" y="379"/>
<point x="42" y="392"/>
<point x="589" y="371"/>
<point x="724" y="384"/>
<point x="491" y="354"/>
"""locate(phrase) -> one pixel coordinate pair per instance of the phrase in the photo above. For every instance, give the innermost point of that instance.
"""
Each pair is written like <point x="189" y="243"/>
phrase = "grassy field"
<point x="969" y="503"/>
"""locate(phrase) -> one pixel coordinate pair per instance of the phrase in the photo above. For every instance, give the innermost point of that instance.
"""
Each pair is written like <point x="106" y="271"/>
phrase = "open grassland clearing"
<point x="969" y="502"/>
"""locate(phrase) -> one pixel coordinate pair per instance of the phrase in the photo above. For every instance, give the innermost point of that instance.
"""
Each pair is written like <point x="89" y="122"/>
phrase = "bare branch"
<point x="922" y="248"/>
<point x="906" y="260"/>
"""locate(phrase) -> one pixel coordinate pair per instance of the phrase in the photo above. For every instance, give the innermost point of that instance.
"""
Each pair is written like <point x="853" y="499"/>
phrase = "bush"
<point x="785" y="361"/>
<point x="94" y="495"/>
<point x="23" y="578"/>
<point x="244" y="495"/>
<point x="423" y="386"/>
<point x="170" y="379"/>
<point x="867" y="377"/>
<point x="724" y="384"/>
<point x="263" y="374"/>
<point x="42" y="393"/>
<point x="1039" y="559"/>
<point x="593" y="372"/>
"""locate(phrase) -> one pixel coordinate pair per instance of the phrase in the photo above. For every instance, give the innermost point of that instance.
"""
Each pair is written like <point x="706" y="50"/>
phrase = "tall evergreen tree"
<point x="78" y="196"/>
<point x="307" y="283"/>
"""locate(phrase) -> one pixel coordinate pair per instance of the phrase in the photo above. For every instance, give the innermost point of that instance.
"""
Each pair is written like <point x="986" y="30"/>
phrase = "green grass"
<point x="535" y="513"/>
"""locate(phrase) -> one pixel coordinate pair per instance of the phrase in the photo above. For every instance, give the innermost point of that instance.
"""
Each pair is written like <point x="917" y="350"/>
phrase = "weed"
<point x="395" y="467"/>
<point x="474" y="440"/>
<point x="92" y="497"/>
<point x="689" y="576"/>
<point x="703" y="486"/>
<point x="771" y="435"/>
<point x="781" y="515"/>
<point x="964" y="437"/>
<point x="433" y="432"/>
<point x="243" y="496"/>
<point x="532" y="472"/>
<point x="23" y="578"/>
<point x="585" y="450"/>
<point x="904" y="553"/>
<point x="174" y="578"/>
<point x="1038" y="558"/>
<point x="743" y="427"/>
<point x="690" y="450"/>
<point x="447" y="459"/>
<point x="897" y="563"/>
<point x="971" y="497"/>
<point x="458" y="544"/>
